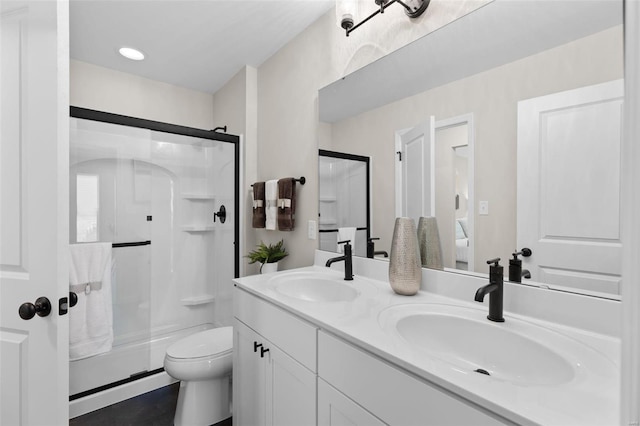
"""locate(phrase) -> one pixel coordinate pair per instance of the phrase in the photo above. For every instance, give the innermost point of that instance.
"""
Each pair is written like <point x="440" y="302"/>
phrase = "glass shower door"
<point x="110" y="201"/>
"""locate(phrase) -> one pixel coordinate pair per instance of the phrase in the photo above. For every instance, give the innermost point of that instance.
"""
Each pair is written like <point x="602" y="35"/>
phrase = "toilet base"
<point x="203" y="402"/>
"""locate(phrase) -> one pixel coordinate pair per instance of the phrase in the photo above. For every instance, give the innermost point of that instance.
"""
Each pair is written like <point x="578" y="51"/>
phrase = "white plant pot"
<point x="269" y="267"/>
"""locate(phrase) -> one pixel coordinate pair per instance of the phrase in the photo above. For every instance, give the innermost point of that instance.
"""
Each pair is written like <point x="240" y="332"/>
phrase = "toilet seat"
<point x="204" y="344"/>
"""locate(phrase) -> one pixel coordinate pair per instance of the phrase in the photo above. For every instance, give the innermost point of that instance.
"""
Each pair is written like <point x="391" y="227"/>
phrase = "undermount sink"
<point x="515" y="351"/>
<point x="315" y="287"/>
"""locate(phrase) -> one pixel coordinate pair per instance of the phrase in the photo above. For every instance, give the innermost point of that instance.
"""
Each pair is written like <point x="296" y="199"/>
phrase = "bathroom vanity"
<point x="311" y="348"/>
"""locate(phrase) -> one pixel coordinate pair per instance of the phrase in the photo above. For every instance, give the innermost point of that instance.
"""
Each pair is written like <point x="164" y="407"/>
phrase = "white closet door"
<point x="569" y="187"/>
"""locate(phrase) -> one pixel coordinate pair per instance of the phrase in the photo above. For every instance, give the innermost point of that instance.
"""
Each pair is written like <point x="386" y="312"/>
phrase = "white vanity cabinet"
<point x="362" y="389"/>
<point x="289" y="372"/>
<point x="335" y="409"/>
<point x="274" y="374"/>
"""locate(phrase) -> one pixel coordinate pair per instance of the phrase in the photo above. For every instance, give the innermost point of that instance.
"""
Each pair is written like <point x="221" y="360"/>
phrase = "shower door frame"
<point x="107" y="117"/>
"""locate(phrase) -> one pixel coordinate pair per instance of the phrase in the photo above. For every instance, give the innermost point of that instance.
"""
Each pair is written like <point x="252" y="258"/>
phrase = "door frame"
<point x="630" y="226"/>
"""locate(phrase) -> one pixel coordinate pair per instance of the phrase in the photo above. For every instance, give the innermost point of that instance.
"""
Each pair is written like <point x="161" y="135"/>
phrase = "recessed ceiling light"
<point x="131" y="53"/>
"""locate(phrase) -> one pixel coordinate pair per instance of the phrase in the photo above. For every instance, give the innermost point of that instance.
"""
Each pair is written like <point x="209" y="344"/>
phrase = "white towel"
<point x="271" y="196"/>
<point x="91" y="320"/>
<point x="348" y="233"/>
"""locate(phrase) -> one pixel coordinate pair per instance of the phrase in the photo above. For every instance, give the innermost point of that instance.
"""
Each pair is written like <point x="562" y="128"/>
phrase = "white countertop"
<point x="591" y="397"/>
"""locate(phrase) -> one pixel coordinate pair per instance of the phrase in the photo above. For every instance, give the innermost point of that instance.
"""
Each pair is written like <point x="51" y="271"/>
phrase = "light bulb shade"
<point x="346" y="11"/>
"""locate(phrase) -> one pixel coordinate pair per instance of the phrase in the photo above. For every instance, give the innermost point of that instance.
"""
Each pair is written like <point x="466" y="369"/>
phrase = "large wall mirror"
<point x="538" y="88"/>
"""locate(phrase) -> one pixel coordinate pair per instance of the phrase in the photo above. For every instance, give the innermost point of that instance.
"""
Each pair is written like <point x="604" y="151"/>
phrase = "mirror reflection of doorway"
<point x="344" y="200"/>
<point x="449" y="175"/>
<point x="452" y="157"/>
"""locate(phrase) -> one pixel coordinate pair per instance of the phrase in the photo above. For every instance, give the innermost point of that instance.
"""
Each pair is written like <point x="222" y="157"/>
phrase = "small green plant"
<point x="268" y="253"/>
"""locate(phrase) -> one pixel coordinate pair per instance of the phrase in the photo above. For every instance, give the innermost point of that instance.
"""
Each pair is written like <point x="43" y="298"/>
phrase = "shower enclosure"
<point x="165" y="196"/>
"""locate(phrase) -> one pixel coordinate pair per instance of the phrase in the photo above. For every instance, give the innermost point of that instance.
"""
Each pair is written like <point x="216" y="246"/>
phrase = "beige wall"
<point x="235" y="106"/>
<point x="112" y="91"/>
<point x="492" y="97"/>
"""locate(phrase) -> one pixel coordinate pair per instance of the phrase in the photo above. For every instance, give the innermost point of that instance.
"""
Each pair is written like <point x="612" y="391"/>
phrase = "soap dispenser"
<point x="515" y="265"/>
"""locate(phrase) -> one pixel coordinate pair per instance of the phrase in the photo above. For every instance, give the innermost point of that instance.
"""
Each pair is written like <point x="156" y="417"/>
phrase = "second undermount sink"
<point x="315" y="287"/>
<point x="515" y="351"/>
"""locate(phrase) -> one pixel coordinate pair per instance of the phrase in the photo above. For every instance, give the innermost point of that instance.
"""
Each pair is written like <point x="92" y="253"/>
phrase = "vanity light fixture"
<point x="131" y="53"/>
<point x="413" y="9"/>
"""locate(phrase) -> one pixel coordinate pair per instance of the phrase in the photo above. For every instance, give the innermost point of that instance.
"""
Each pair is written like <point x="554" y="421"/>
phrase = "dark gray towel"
<point x="286" y="204"/>
<point x="259" y="216"/>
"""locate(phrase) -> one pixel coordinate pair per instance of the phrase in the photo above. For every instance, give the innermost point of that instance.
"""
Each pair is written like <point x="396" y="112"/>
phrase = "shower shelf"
<point x="198" y="196"/>
<point x="203" y="299"/>
<point x="198" y="228"/>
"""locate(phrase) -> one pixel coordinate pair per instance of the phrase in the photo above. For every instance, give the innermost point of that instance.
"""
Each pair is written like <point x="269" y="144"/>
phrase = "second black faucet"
<point x="348" y="264"/>
<point x="494" y="289"/>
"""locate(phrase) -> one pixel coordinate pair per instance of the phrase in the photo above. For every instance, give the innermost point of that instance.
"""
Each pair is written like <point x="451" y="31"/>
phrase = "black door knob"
<point x="28" y="310"/>
<point x="73" y="299"/>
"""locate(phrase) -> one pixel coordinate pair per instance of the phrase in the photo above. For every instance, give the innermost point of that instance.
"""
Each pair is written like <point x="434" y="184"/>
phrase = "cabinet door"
<point x="335" y="409"/>
<point x="249" y="378"/>
<point x="291" y="391"/>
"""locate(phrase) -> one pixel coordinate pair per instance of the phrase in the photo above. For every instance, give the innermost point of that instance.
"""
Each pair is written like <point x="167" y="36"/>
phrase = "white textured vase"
<point x="405" y="271"/>
<point x="429" y="243"/>
<point x="269" y="267"/>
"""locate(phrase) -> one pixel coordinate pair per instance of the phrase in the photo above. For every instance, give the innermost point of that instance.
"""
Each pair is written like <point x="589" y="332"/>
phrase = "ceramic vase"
<point x="267" y="268"/>
<point x="405" y="272"/>
<point x="429" y="243"/>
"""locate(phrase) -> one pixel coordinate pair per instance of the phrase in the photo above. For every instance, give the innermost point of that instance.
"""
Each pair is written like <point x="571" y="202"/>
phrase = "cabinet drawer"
<point x="291" y="334"/>
<point x="389" y="393"/>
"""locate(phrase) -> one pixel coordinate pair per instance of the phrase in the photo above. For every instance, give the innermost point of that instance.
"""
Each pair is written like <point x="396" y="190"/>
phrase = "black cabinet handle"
<point x="256" y="345"/>
<point x="263" y="351"/>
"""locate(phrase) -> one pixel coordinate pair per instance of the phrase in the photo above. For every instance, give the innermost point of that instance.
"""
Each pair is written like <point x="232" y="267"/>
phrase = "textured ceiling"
<point x="195" y="44"/>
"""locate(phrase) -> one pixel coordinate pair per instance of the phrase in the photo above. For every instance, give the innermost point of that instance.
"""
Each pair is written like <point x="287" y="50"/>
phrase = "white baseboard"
<point x="117" y="394"/>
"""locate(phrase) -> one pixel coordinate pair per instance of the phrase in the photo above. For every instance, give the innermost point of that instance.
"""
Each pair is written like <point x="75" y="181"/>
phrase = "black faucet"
<point x="494" y="289"/>
<point x="348" y="265"/>
<point x="515" y="266"/>
<point x="371" y="249"/>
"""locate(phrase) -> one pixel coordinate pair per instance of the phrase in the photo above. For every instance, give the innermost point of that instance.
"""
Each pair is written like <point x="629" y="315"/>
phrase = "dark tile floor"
<point x="155" y="408"/>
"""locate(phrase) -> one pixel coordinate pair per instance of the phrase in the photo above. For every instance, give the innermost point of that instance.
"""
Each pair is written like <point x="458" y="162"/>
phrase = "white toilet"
<point x="202" y="362"/>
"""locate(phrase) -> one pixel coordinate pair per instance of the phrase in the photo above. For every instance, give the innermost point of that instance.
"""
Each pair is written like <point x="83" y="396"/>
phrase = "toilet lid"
<point x="204" y="343"/>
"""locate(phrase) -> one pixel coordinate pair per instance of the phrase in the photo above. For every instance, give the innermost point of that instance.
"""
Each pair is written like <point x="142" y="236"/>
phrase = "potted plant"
<point x="268" y="255"/>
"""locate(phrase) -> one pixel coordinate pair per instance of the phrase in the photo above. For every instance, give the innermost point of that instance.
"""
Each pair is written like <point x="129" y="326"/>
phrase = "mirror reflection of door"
<point x="415" y="172"/>
<point x="569" y="146"/>
<point x="343" y="201"/>
<point x="434" y="177"/>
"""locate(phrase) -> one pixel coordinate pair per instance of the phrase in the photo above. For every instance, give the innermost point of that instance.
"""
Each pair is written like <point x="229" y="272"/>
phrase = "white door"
<point x="415" y="174"/>
<point x="33" y="211"/>
<point x="569" y="187"/>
